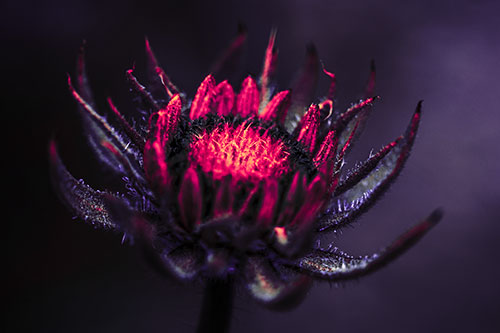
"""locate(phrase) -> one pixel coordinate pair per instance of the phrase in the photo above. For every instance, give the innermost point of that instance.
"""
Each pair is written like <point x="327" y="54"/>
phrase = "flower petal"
<point x="293" y="200"/>
<point x="160" y="131"/>
<point x="307" y="130"/>
<point x="168" y="121"/>
<point x="303" y="87"/>
<point x="337" y="265"/>
<point x="370" y="84"/>
<point x="83" y="85"/>
<point x="136" y="138"/>
<point x="151" y="104"/>
<point x="332" y="88"/>
<point x="315" y="194"/>
<point x="298" y="230"/>
<point x="247" y="102"/>
<point x="326" y="159"/>
<point x="228" y="64"/>
<point x="224" y="197"/>
<point x="113" y="149"/>
<point x="190" y="199"/>
<point x="87" y="203"/>
<point x="223" y="99"/>
<point x="268" y="70"/>
<point x="203" y="99"/>
<point x="270" y="197"/>
<point x="277" y="108"/>
<point x="159" y="79"/>
<point x="355" y="116"/>
<point x="350" y="203"/>
<point x="362" y="171"/>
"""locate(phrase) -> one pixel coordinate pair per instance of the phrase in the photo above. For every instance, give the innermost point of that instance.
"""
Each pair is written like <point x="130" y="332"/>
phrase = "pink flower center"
<point x="241" y="152"/>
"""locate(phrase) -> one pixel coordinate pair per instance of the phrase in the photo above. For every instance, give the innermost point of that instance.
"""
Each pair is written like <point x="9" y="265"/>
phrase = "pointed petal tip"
<point x="311" y="49"/>
<point x="52" y="147"/>
<point x="242" y="28"/>
<point x="419" y="106"/>
<point x="414" y="123"/>
<point x="149" y="51"/>
<point x="435" y="216"/>
<point x="81" y="52"/>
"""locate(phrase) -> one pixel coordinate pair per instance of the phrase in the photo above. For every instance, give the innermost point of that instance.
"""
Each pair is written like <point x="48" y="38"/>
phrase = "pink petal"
<point x="277" y="108"/>
<point x="223" y="98"/>
<point x="247" y="102"/>
<point x="268" y="68"/>
<point x="270" y="198"/>
<point x="203" y="99"/>
<point x="308" y="128"/>
<point x="190" y="199"/>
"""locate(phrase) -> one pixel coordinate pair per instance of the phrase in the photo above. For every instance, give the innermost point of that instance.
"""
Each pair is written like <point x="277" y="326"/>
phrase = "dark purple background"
<point x="65" y="277"/>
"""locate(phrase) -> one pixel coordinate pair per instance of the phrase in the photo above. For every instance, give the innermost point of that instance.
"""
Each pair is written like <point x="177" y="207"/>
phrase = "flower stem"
<point x="216" y="310"/>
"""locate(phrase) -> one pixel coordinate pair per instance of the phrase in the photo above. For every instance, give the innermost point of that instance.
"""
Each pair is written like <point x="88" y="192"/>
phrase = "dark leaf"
<point x="88" y="204"/>
<point x="357" y="193"/>
<point x="336" y="265"/>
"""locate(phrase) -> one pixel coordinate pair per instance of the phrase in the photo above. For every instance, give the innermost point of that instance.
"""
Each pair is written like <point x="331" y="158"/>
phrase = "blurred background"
<point x="63" y="276"/>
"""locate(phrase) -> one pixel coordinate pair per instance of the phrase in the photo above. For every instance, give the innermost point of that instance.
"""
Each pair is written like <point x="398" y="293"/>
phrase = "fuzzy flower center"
<point x="241" y="152"/>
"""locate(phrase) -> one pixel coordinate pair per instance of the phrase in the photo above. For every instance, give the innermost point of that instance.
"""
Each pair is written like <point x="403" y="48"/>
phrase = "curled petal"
<point x="338" y="265"/>
<point x="156" y="168"/>
<point x="333" y="85"/>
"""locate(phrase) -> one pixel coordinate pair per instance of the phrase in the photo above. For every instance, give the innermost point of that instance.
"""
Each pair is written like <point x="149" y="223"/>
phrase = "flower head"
<point x="238" y="182"/>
